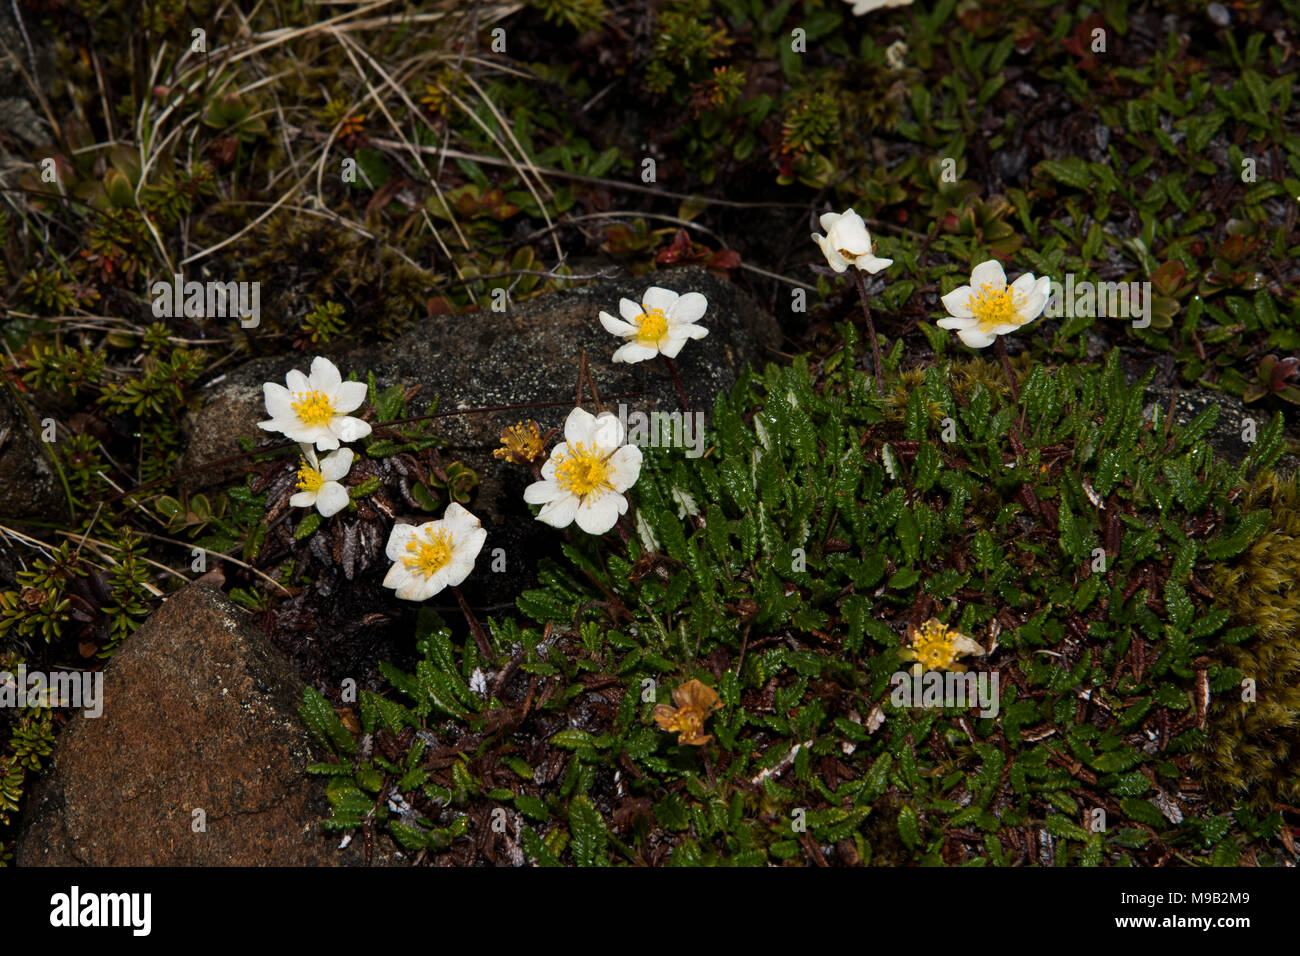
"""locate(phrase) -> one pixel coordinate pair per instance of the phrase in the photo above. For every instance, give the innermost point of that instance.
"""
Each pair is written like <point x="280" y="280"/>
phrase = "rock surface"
<point x="526" y="354"/>
<point x="1226" y="435"/>
<point x="199" y="712"/>
<point x="29" y="486"/>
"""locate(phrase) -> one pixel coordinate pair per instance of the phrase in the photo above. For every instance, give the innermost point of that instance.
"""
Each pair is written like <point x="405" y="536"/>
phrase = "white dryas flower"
<point x="435" y="555"/>
<point x="988" y="307"/>
<point x="866" y="6"/>
<point x="313" y="409"/>
<point x="847" y="243"/>
<point x="586" y="475"/>
<point x="660" y="324"/>
<point x="319" y="481"/>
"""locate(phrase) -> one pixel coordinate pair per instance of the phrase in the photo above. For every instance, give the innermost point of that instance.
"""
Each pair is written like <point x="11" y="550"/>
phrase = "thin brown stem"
<point x="871" y="332"/>
<point x="1001" y="346"/>
<point x="480" y="635"/>
<point x="681" y="391"/>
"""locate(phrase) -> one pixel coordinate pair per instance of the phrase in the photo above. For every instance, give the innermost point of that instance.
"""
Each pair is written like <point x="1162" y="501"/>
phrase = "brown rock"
<point x="199" y="712"/>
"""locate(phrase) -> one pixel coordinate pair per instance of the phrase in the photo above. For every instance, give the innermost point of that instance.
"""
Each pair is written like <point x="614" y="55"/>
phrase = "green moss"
<point x="1253" y="750"/>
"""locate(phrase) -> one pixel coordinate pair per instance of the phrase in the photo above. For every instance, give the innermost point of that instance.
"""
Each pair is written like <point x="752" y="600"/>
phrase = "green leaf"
<point x="909" y="826"/>
<point x="589" y="834"/>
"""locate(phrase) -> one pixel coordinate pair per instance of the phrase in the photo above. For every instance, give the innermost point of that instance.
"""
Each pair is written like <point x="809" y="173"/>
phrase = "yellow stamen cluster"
<point x="428" y="557"/>
<point x="313" y="408"/>
<point x="651" y="325"/>
<point x="309" y="479"/>
<point x="994" y="306"/>
<point x="584" y="472"/>
<point x="521" y="444"/>
<point x="934" y="645"/>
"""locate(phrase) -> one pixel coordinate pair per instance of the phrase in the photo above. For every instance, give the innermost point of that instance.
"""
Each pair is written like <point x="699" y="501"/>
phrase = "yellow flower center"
<point x="584" y="472"/>
<point x="428" y="557"/>
<point x="314" y="408"/>
<point x="935" y="645"/>
<point x="651" y="326"/>
<point x="994" y="306"/>
<point x="309" y="479"/>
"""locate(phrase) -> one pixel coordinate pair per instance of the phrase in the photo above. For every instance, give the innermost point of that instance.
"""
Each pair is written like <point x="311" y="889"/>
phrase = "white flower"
<point x="988" y="307"/>
<point x="313" y="408"/>
<point x="435" y="555"/>
<point x="847" y="243"/>
<point x="586" y="475"/>
<point x="660" y="324"/>
<point x="319" y="481"/>
<point x="866" y="6"/>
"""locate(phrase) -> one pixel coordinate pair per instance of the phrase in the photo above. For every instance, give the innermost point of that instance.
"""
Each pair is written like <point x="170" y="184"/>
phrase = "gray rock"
<point x="29" y="486"/>
<point x="526" y="354"/>
<point x="199" y="712"/>
<point x="1225" y="438"/>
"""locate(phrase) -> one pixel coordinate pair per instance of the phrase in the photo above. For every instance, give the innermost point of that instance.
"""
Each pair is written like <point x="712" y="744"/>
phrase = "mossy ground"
<point x="1170" y="156"/>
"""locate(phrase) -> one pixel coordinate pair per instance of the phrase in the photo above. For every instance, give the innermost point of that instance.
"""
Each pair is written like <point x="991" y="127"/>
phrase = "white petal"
<point x="297" y="381"/>
<point x="540" y="492"/>
<point x="629" y="310"/>
<point x="460" y="522"/>
<point x="335" y="466"/>
<point x="597" y="514"/>
<point x="351" y="396"/>
<point x="975" y="338"/>
<point x="558" y="454"/>
<point x="578" y="427"/>
<point x="616" y="326"/>
<point x="348" y="429"/>
<point x="988" y="272"/>
<point x="325" y="375"/>
<point x="331" y="499"/>
<point x="671" y="347"/>
<point x="279" y="403"/>
<point x="473" y="544"/>
<point x="657" y="298"/>
<point x="872" y="264"/>
<point x="690" y="308"/>
<point x="956" y="323"/>
<point x="833" y="258"/>
<point x="625" y="467"/>
<point x="1024" y="285"/>
<point x="634" y="352"/>
<point x="398" y="539"/>
<point x="397" y="577"/>
<point x="559" y="513"/>
<point x="828" y="220"/>
<point x="607" y="433"/>
<point x="957" y="302"/>
<point x="303" y="499"/>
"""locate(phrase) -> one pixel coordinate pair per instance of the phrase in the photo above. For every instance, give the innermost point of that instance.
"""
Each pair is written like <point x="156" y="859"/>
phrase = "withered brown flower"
<point x="521" y="444"/>
<point x="695" y="701"/>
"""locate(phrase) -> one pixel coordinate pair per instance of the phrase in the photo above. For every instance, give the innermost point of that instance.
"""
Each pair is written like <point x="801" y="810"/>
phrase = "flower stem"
<point x="480" y="636"/>
<point x="681" y="391"/>
<point x="1006" y="366"/>
<point x="871" y="331"/>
